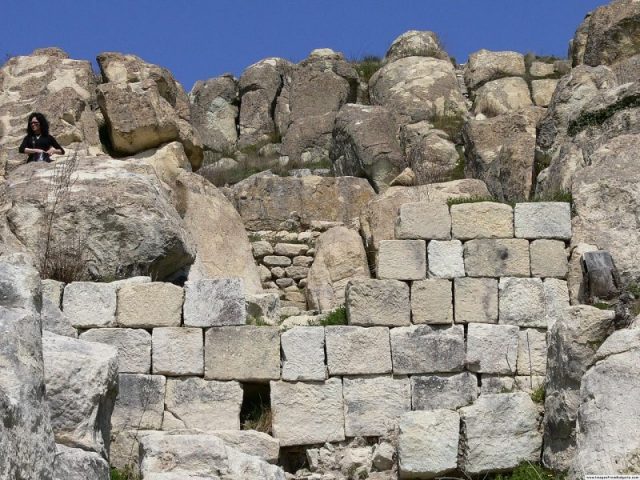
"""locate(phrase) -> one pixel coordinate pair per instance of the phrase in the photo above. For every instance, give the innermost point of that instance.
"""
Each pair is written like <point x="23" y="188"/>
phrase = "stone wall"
<point x="449" y="338"/>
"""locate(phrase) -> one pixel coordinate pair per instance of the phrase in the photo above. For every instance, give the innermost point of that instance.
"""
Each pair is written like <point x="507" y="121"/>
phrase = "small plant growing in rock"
<point x="336" y="317"/>
<point x="538" y="394"/>
<point x="367" y="66"/>
<point x="259" y="419"/>
<point x="127" y="474"/>
<point x="530" y="471"/>
<point x="257" y="321"/>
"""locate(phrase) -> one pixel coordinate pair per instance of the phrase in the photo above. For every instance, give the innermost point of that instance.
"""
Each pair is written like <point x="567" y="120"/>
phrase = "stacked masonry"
<point x="456" y="318"/>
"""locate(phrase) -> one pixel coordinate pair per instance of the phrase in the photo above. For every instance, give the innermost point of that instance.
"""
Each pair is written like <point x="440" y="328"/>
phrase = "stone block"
<point x="499" y="432"/>
<point x="497" y="258"/>
<point x="532" y="352"/>
<point x="522" y="302"/>
<point x="543" y="220"/>
<point x="556" y="294"/>
<point x="149" y="305"/>
<point x="357" y="350"/>
<point x="265" y="273"/>
<point x="445" y="259"/>
<point x="548" y="258"/>
<point x="276" y="261"/>
<point x="290" y="249"/>
<point x="436" y="432"/>
<point x="214" y="302"/>
<point x="528" y="383"/>
<point x="76" y="463"/>
<point x="302" y="261"/>
<point x="481" y="220"/>
<point x="284" y="282"/>
<point x="134" y="347"/>
<point x="423" y="220"/>
<point x="252" y="442"/>
<point x="90" y="305"/>
<point x="492" y="348"/>
<point x="377" y="302"/>
<point x="307" y="413"/>
<point x="372" y="406"/>
<point x="278" y="272"/>
<point x="297" y="273"/>
<point x="448" y="391"/>
<point x="52" y="291"/>
<point x="140" y="402"/>
<point x="402" y="259"/>
<point x="576" y="277"/>
<point x="542" y="91"/>
<point x="261" y="248"/>
<point x="246" y="353"/>
<point x="264" y="306"/>
<point x="178" y="351"/>
<point x="476" y="300"/>
<point x="496" y="384"/>
<point x="431" y="301"/>
<point x="427" y="349"/>
<point x="204" y="404"/>
<point x="303" y="354"/>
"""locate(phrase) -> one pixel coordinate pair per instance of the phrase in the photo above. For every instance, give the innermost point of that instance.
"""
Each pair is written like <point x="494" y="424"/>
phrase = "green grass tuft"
<point x="336" y="317"/>
<point x="538" y="394"/>
<point x="530" y="471"/>
<point x="367" y="66"/>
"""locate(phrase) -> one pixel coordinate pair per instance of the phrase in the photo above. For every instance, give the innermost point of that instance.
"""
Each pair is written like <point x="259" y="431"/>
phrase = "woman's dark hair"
<point x="44" y="125"/>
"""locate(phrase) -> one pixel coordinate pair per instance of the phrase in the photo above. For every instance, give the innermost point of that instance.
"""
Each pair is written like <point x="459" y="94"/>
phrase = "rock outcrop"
<point x="416" y="43"/>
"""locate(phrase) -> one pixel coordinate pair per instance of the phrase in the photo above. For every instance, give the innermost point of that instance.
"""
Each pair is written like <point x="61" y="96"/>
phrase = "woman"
<point x="38" y="143"/>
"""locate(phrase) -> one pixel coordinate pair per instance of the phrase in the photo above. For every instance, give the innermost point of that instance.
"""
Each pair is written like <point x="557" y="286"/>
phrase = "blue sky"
<point x="199" y="39"/>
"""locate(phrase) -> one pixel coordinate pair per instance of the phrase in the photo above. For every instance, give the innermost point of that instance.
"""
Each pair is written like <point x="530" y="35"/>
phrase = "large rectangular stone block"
<point x="423" y="220"/>
<point x="499" y="432"/>
<point x="378" y="302"/>
<point x="372" y="406"/>
<point x="556" y="295"/>
<point x="148" y="305"/>
<point x="214" y="302"/>
<point x="203" y="404"/>
<point x="497" y="258"/>
<point x="307" y="413"/>
<point x="436" y="432"/>
<point x="140" y="402"/>
<point x="476" y="300"/>
<point x="449" y="391"/>
<point x="178" y="351"/>
<point x="246" y="353"/>
<point x="402" y="259"/>
<point x="90" y="305"/>
<point x="543" y="220"/>
<point x="427" y="349"/>
<point x="532" y="352"/>
<point x="481" y="220"/>
<point x="134" y="347"/>
<point x="303" y="354"/>
<point x="548" y="258"/>
<point x="492" y="348"/>
<point x="445" y="259"/>
<point x="431" y="301"/>
<point x="357" y="350"/>
<point x="522" y="302"/>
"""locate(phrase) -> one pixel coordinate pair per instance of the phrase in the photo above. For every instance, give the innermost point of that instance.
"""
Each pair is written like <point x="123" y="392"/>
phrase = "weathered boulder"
<point x="608" y="35"/>
<point x="416" y="43"/>
<point x="572" y="343"/>
<point x="48" y="81"/>
<point x="259" y="86"/>
<point x="217" y="231"/>
<point x="269" y="202"/>
<point x="542" y="91"/>
<point x="27" y="445"/>
<point x="418" y="88"/>
<point x="214" y="112"/>
<point x="79" y="464"/>
<point x="340" y="257"/>
<point x="500" y="151"/>
<point x="82" y="381"/>
<point x="378" y="218"/>
<point x="116" y="213"/>
<point x="607" y="427"/>
<point x="500" y="96"/>
<point x="484" y="66"/>
<point x="365" y="144"/>
<point x="429" y="152"/>
<point x="144" y="107"/>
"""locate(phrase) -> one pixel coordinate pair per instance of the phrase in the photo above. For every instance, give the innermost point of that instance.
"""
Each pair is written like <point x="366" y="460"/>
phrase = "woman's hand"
<point x="33" y="150"/>
<point x="53" y="151"/>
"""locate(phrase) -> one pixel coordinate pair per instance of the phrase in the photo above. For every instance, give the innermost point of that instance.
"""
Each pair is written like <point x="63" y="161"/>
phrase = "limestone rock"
<point x="144" y="106"/>
<point x="214" y="112"/>
<point x="178" y="351"/>
<point x="445" y="259"/>
<point x="357" y="350"/>
<point x="55" y="320"/>
<point x="497" y="258"/>
<point x="491" y="348"/>
<point x="265" y="306"/>
<point x="436" y="432"/>
<point x="542" y="91"/>
<point x="340" y="258"/>
<point x="78" y="464"/>
<point x="494" y="421"/>
<point x="148" y="305"/>
<point x="572" y="344"/>
<point x="431" y="301"/>
<point x="377" y="302"/>
<point x="575" y="276"/>
<point x="476" y="300"/>
<point x="423" y="220"/>
<point x="415" y="43"/>
<point x="481" y="220"/>
<point x="242" y="353"/>
<point x="82" y="381"/>
<point x="522" y="302"/>
<point x="417" y="88"/>
<point x="133" y="346"/>
<point x="90" y="304"/>
<point x="365" y="144"/>
<point x="303" y="354"/>
<point x="204" y="404"/>
<point x="543" y="220"/>
<point x="118" y="208"/>
<point x="541" y="69"/>
<point x="427" y="349"/>
<point x="500" y="96"/>
<point x="372" y="406"/>
<point x="307" y="413"/>
<point x="140" y="402"/>
<point x="214" y="302"/>
<point x="448" y="391"/>
<point x="532" y="352"/>
<point x="548" y="258"/>
<point x="485" y="65"/>
<point x="402" y="260"/>
<point x="266" y="202"/>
